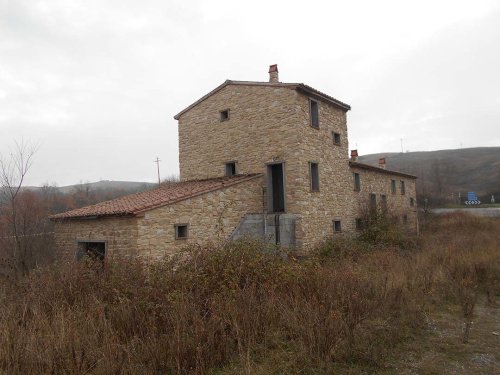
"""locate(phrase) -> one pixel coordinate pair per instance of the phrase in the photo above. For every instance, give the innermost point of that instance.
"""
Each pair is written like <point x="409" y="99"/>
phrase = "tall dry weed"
<point x="245" y="308"/>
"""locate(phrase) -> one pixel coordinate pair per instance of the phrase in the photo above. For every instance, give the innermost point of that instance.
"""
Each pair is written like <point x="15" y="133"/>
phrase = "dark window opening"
<point x="383" y="203"/>
<point x="337" y="227"/>
<point x="393" y="186"/>
<point x="405" y="219"/>
<point x="402" y="187"/>
<point x="357" y="182"/>
<point x="231" y="168"/>
<point x="336" y="138"/>
<point x="314" y="174"/>
<point x="373" y="202"/>
<point x="412" y="202"/>
<point x="181" y="231"/>
<point x="224" y="115"/>
<point x="360" y="224"/>
<point x="276" y="188"/>
<point x="314" y="111"/>
<point x="95" y="250"/>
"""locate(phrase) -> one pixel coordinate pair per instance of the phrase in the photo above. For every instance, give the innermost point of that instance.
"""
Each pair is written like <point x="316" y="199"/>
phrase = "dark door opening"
<point x="94" y="250"/>
<point x="276" y="188"/>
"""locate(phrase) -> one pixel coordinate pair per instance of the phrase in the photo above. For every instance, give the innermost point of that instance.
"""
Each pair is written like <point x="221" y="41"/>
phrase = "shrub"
<point x="244" y="307"/>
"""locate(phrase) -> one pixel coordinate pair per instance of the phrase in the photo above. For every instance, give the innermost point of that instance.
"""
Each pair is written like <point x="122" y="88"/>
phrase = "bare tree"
<point x="13" y="170"/>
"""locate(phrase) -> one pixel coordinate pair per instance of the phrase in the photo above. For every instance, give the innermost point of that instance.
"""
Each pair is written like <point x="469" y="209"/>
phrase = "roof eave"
<point x="152" y="207"/>
<point x="294" y="86"/>
<point x="380" y="170"/>
<point x="89" y="217"/>
<point x="319" y="95"/>
<point x="140" y="212"/>
<point x="206" y="96"/>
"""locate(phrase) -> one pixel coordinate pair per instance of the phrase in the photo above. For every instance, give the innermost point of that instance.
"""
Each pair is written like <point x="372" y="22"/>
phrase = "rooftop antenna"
<point x="157" y="161"/>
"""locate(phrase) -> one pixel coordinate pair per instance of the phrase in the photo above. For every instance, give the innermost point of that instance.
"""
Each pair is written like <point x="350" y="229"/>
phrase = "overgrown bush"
<point x="244" y="307"/>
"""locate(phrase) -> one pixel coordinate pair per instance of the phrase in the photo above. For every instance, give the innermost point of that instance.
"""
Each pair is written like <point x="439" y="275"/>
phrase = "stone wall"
<point x="119" y="233"/>
<point x="398" y="204"/>
<point x="211" y="216"/>
<point x="268" y="124"/>
<point x="334" y="200"/>
<point x="261" y="128"/>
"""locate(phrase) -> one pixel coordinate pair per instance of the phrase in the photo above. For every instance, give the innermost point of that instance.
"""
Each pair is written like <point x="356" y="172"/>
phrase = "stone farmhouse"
<point x="261" y="159"/>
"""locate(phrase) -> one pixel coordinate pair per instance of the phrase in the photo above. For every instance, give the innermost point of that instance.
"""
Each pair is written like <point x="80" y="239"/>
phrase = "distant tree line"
<point x="26" y="233"/>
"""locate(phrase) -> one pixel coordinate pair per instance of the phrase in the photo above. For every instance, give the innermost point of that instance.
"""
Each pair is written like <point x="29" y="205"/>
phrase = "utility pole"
<point x="157" y="161"/>
<point x="401" y="144"/>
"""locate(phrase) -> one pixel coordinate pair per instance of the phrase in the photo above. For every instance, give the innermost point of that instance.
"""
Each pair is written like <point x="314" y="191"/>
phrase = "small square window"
<point x="337" y="227"/>
<point x="314" y="113"/>
<point x="314" y="174"/>
<point x="181" y="231"/>
<point x="403" y="190"/>
<point x="412" y="202"/>
<point x="393" y="186"/>
<point x="336" y="138"/>
<point x="357" y="182"/>
<point x="231" y="168"/>
<point x="224" y="115"/>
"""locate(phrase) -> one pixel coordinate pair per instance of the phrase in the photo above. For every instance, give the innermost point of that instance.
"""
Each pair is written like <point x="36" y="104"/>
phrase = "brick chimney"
<point x="354" y="155"/>
<point x="273" y="73"/>
<point x="381" y="163"/>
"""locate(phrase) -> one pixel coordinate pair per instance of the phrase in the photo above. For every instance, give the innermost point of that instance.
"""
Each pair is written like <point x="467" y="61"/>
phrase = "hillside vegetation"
<point x="446" y="172"/>
<point x="248" y="309"/>
<point x="127" y="187"/>
<point x="25" y="230"/>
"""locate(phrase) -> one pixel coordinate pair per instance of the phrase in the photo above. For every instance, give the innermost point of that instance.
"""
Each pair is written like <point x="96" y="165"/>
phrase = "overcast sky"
<point x="96" y="83"/>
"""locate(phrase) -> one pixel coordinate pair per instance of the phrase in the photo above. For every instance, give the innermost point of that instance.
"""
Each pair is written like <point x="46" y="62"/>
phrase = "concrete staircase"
<point x="272" y="228"/>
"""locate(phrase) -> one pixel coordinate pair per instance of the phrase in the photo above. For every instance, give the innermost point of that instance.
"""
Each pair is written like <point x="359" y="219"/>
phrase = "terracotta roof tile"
<point x="134" y="204"/>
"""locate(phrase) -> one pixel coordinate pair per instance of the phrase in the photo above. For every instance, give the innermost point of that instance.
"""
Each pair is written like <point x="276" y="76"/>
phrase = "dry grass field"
<point x="383" y="304"/>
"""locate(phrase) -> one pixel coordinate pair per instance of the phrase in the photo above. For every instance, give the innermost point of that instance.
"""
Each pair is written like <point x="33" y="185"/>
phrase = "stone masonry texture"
<point x="211" y="216"/>
<point x="269" y="124"/>
<point x="265" y="124"/>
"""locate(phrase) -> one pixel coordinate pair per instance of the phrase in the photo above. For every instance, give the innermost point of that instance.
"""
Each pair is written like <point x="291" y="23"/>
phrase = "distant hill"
<point x="446" y="172"/>
<point x="126" y="186"/>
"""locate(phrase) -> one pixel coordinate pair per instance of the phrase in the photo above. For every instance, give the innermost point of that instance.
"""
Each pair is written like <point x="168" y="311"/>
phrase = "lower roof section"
<point x="355" y="164"/>
<point x="134" y="204"/>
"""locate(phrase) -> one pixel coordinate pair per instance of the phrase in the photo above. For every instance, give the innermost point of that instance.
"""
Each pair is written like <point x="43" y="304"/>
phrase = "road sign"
<point x="472" y="202"/>
<point x="471" y="196"/>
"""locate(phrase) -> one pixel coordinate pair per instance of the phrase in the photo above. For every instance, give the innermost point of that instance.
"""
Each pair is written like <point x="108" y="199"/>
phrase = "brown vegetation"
<point x="26" y="234"/>
<point x="244" y="308"/>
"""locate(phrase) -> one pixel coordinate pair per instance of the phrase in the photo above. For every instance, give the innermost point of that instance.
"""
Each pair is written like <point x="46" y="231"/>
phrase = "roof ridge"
<point x="308" y="89"/>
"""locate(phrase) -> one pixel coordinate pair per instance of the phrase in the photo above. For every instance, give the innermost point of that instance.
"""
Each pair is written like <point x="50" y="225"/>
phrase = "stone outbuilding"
<point x="260" y="159"/>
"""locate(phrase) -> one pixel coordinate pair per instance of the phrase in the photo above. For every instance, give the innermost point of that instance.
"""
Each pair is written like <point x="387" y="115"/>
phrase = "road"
<point x="487" y="211"/>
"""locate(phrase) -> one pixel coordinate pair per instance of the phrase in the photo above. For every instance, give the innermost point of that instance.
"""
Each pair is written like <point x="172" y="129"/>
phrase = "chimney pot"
<point x="273" y="73"/>
<point x="381" y="162"/>
<point x="354" y="155"/>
